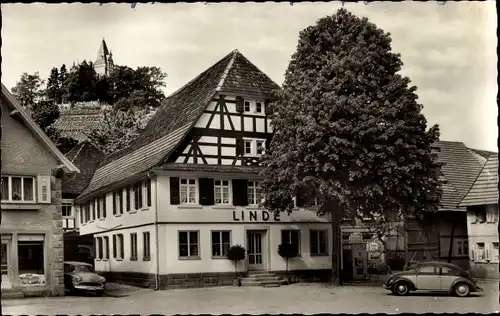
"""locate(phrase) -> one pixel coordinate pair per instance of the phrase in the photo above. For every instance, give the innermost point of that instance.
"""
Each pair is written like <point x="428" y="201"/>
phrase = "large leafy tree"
<point x="53" y="89"/>
<point x="81" y="82"/>
<point x="349" y="134"/>
<point x="29" y="89"/>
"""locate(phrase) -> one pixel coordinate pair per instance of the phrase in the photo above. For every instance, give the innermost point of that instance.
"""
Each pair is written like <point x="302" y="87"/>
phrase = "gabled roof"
<point x="484" y="153"/>
<point x="233" y="74"/>
<point x="78" y="122"/>
<point x="485" y="188"/>
<point x="460" y="169"/>
<point x="86" y="157"/>
<point x="13" y="105"/>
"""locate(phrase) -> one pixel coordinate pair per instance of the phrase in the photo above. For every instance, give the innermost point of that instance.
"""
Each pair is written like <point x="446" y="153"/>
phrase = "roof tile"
<point x="485" y="188"/>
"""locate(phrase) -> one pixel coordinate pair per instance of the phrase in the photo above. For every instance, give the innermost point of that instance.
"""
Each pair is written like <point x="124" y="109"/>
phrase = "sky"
<point x="448" y="51"/>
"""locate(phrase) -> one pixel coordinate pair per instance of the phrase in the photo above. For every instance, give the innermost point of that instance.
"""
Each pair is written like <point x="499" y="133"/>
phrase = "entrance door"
<point x="254" y="240"/>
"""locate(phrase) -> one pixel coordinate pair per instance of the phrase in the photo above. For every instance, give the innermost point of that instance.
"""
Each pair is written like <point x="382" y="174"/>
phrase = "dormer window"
<point x="258" y="107"/>
<point x="247" y="106"/>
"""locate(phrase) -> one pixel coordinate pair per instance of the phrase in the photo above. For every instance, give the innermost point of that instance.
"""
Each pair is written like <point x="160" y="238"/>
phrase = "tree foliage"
<point x="348" y="131"/>
<point x="287" y="251"/>
<point x="348" y="127"/>
<point x="29" y="89"/>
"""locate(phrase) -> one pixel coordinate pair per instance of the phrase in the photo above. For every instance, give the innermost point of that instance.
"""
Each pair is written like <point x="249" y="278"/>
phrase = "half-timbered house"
<point x="166" y="210"/>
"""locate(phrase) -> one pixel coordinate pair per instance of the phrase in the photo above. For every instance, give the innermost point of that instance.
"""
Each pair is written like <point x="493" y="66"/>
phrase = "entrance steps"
<point x="262" y="278"/>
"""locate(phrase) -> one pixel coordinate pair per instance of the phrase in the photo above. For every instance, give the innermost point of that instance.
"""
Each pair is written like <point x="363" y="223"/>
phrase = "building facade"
<point x="482" y="220"/>
<point x="166" y="210"/>
<point x="31" y="228"/>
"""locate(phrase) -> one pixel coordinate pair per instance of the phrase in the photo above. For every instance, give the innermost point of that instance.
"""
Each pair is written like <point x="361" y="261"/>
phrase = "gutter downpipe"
<point x="157" y="246"/>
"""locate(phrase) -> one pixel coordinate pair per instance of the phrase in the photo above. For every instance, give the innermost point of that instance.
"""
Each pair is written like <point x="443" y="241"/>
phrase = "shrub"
<point x="287" y="251"/>
<point x="236" y="253"/>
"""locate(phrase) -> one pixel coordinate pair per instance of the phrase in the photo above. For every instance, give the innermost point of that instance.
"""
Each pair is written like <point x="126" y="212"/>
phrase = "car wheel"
<point x="400" y="288"/>
<point x="462" y="289"/>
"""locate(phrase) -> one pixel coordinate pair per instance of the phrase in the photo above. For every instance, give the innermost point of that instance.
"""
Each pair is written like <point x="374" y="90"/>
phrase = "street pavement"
<point x="304" y="298"/>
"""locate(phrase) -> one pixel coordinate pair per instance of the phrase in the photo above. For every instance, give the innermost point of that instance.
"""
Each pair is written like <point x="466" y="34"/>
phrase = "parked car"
<point x="433" y="277"/>
<point x="79" y="277"/>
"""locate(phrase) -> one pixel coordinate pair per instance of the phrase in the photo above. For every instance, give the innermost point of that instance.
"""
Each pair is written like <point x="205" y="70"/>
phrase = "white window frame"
<point x="253" y="146"/>
<point x="223" y="187"/>
<point x="22" y="200"/>
<point x="261" y="107"/>
<point x="245" y="102"/>
<point x="316" y="233"/>
<point x="494" y="252"/>
<point x="188" y="243"/>
<point x="148" y="257"/>
<point x="253" y="188"/>
<point x="189" y="187"/>
<point x="478" y="257"/>
<point x="71" y="212"/>
<point x="221" y="244"/>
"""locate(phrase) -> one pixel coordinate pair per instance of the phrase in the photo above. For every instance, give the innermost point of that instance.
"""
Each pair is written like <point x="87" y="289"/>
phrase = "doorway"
<point x="5" y="265"/>
<point x="255" y="253"/>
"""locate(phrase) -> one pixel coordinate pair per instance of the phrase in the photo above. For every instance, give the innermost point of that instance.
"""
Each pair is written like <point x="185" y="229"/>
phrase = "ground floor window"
<point x="30" y="250"/>
<point x="318" y="239"/>
<point x="118" y="251"/>
<point x="462" y="247"/>
<point x="221" y="241"/>
<point x="291" y="237"/>
<point x="494" y="251"/>
<point x="133" y="246"/>
<point x="146" y="246"/>
<point x="480" y="251"/>
<point x="188" y="244"/>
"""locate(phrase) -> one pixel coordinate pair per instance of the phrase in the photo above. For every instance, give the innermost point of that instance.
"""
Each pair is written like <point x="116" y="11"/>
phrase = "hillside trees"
<point x="349" y="134"/>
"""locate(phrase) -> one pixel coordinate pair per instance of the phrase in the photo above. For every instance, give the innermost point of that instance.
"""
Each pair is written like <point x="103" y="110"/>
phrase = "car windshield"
<point x="82" y="268"/>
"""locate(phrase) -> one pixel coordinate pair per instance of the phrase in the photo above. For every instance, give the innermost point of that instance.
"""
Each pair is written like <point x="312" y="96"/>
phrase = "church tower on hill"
<point x="104" y="62"/>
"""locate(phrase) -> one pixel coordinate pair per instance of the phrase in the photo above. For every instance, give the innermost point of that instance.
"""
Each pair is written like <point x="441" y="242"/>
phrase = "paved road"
<point x="298" y="298"/>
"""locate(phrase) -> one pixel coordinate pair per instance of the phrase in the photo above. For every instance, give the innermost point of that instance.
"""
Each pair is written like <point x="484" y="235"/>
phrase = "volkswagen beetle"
<point x="433" y="277"/>
<point x="80" y="277"/>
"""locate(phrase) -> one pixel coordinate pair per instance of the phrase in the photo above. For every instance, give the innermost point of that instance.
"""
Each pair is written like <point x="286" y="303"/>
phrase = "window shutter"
<point x="44" y="191"/>
<point x="148" y="192"/>
<point x="240" y="192"/>
<point x="206" y="191"/>
<point x="268" y="107"/>
<point x="114" y="246"/>
<point x="175" y="198"/>
<point x="239" y="146"/>
<point x="114" y="203"/>
<point x="104" y="206"/>
<point x="239" y="104"/>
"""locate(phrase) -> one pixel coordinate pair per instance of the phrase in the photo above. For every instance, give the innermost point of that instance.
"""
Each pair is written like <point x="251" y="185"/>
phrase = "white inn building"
<point x="164" y="211"/>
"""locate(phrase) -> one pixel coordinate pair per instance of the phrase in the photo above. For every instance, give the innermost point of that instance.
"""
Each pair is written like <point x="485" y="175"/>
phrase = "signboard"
<point x="255" y="216"/>
<point x="356" y="238"/>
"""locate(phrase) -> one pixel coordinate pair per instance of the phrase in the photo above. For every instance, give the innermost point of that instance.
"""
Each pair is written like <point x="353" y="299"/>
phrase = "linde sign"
<point x="255" y="216"/>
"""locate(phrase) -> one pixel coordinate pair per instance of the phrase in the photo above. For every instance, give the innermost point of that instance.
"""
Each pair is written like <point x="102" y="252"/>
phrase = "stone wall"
<point x="484" y="270"/>
<point x="56" y="249"/>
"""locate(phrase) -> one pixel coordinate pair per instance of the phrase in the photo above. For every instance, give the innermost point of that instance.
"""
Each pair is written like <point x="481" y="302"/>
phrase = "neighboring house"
<point x="165" y="210"/>
<point x="31" y="228"/>
<point x="482" y="220"/>
<point x="79" y="121"/>
<point x="86" y="157"/>
<point x="443" y="236"/>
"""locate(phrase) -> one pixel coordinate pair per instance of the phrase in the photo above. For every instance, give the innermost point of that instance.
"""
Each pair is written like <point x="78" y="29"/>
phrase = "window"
<point x="247" y="106"/>
<point x="97" y="206"/>
<point x="102" y="203"/>
<point x="106" y="247"/>
<point x="462" y="247"/>
<point x="18" y="189"/>
<point x="480" y="215"/>
<point x="480" y="253"/>
<point x="67" y="210"/>
<point x="188" y="191"/>
<point x="248" y="147"/>
<point x="137" y="196"/>
<point x="146" y="246"/>
<point x="291" y="237"/>
<point x="222" y="192"/>
<point x="221" y="241"/>
<point x="87" y="212"/>
<point x="428" y="270"/>
<point x="318" y="239"/>
<point x="260" y="147"/>
<point x="494" y="251"/>
<point x="254" y="193"/>
<point x="258" y="107"/>
<point x="133" y="246"/>
<point x="448" y="271"/>
<point x="31" y="258"/>
<point x="117" y="203"/>
<point x="118" y="251"/>
<point x="93" y="205"/>
<point x="128" y="199"/>
<point x="188" y="244"/>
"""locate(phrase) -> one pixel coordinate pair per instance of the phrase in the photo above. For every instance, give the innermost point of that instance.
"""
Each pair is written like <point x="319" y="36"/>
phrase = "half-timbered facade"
<point x="166" y="210"/>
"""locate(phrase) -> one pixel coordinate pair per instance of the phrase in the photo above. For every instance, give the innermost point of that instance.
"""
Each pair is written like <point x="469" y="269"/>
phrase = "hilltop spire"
<point x="104" y="62"/>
